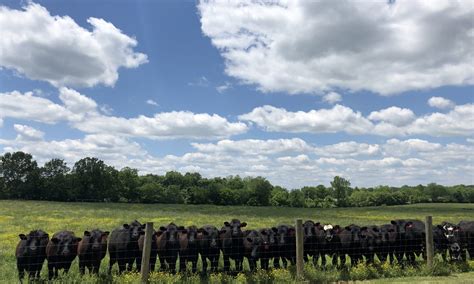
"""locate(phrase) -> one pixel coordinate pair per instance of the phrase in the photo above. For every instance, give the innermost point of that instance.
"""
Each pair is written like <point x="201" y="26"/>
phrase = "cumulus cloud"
<point x="287" y="162"/>
<point x="56" y="49"/>
<point x="337" y="119"/>
<point x="393" y="115"/>
<point x="440" y="102"/>
<point x="390" y="122"/>
<point x="386" y="47"/>
<point x="27" y="133"/>
<point x="332" y="97"/>
<point x="82" y="113"/>
<point x="29" y="107"/>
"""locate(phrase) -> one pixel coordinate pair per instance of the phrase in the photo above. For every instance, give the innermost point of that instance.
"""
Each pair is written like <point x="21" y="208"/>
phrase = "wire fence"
<point x="141" y="247"/>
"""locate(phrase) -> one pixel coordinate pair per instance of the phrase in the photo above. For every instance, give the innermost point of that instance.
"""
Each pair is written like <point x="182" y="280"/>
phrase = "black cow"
<point x="268" y="247"/>
<point x="446" y="237"/>
<point x="390" y="242"/>
<point x="231" y="239"/>
<point x="349" y="238"/>
<point x="168" y="246"/>
<point x="285" y="245"/>
<point x="412" y="238"/>
<point x="253" y="242"/>
<point x="123" y="246"/>
<point x="91" y="250"/>
<point x="31" y="253"/>
<point x="153" y="251"/>
<point x="467" y="238"/>
<point x="370" y="242"/>
<point x="209" y="247"/>
<point x="189" y="248"/>
<point x="60" y="252"/>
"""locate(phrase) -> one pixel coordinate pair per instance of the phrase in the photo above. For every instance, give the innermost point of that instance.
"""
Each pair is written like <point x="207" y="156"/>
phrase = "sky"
<point x="379" y="92"/>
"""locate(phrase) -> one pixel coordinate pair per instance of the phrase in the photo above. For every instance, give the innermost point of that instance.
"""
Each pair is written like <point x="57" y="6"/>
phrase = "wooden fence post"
<point x="299" y="249"/>
<point x="429" y="241"/>
<point x="146" y="252"/>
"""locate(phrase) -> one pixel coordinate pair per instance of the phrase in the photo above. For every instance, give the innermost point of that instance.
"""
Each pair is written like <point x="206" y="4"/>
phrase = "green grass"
<point x="22" y="216"/>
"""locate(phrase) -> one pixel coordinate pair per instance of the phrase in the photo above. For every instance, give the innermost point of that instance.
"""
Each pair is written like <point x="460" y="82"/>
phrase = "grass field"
<point x="22" y="216"/>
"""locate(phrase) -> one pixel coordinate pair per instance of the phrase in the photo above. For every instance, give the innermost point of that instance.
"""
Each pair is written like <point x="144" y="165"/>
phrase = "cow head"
<point x="253" y="241"/>
<point x="211" y="235"/>
<point x="97" y="239"/>
<point x="268" y="238"/>
<point x="135" y="229"/>
<point x="34" y="242"/>
<point x="171" y="232"/>
<point x="330" y="231"/>
<point x="389" y="233"/>
<point x="283" y="233"/>
<point x="309" y="229"/>
<point x="450" y="231"/>
<point x="236" y="227"/>
<point x="192" y="231"/>
<point x="66" y="243"/>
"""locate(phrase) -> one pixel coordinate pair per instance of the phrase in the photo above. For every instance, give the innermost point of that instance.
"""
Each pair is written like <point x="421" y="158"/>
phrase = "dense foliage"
<point x="90" y="179"/>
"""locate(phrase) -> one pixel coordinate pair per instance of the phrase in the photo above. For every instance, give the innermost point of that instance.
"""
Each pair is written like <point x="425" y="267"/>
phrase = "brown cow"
<point x="91" y="250"/>
<point x="61" y="251"/>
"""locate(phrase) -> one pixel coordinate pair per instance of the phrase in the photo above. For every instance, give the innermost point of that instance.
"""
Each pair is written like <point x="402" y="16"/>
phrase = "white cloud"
<point x="393" y="115"/>
<point x="288" y="162"/>
<point x="332" y="97"/>
<point x="82" y="113"/>
<point x="29" y="107"/>
<point x="254" y="146"/>
<point x="440" y="102"/>
<point x="337" y="119"/>
<point x="458" y="122"/>
<point x="152" y="102"/>
<point x="222" y="88"/>
<point x="27" y="133"/>
<point x="57" y="50"/>
<point x="164" y="125"/>
<point x="348" y="149"/>
<point x="316" y="46"/>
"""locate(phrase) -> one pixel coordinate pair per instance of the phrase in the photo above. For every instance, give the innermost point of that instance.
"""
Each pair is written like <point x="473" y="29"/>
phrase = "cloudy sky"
<point x="380" y="92"/>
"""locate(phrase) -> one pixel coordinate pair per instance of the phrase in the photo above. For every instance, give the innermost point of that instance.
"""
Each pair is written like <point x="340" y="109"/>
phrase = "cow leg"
<point x="50" y="270"/>
<point x="264" y="263"/>
<point x="284" y="262"/>
<point x="238" y="264"/>
<point x="111" y="263"/>
<point x="214" y="264"/>
<point x="226" y="263"/>
<point x="182" y="264"/>
<point x="122" y="265"/>
<point x="82" y="267"/>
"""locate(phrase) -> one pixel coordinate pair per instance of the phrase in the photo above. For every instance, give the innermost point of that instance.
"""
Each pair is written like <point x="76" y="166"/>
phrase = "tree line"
<point x="90" y="179"/>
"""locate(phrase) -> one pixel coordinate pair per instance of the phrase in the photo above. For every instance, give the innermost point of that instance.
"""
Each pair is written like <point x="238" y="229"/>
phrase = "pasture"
<point x="22" y="216"/>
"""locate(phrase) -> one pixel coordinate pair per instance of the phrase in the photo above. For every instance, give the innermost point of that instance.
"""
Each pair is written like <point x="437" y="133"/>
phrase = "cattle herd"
<point x="389" y="242"/>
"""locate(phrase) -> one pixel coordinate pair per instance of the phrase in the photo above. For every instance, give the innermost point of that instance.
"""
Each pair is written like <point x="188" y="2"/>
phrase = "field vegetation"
<point x="22" y="216"/>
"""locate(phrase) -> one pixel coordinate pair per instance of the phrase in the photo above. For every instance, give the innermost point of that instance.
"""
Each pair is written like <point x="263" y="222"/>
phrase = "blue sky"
<point x="299" y="92"/>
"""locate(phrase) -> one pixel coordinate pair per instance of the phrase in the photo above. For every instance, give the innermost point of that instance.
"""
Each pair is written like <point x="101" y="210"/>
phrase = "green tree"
<point x="55" y="181"/>
<point x="296" y="198"/>
<point x="129" y="183"/>
<point x="95" y="181"/>
<point x="340" y="187"/>
<point x="20" y="175"/>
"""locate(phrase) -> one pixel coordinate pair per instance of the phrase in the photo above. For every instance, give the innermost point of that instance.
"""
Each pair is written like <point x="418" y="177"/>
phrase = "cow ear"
<point x="347" y="228"/>
<point x="393" y="222"/>
<point x="222" y="232"/>
<point x="87" y="233"/>
<point x="375" y="229"/>
<point x="142" y="233"/>
<point x="317" y="224"/>
<point x="22" y="236"/>
<point x="78" y="239"/>
<point x="409" y="224"/>
<point x="275" y="229"/>
<point x="264" y="232"/>
<point x="55" y="240"/>
<point x="143" y="226"/>
<point x="440" y="227"/>
<point x="227" y="224"/>
<point x="244" y="224"/>
<point x="126" y="226"/>
<point x="162" y="228"/>
<point x="181" y="228"/>
<point x="363" y="228"/>
<point x="184" y="231"/>
<point x="159" y="233"/>
<point x="106" y="233"/>
<point x="46" y="236"/>
<point x="249" y="240"/>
